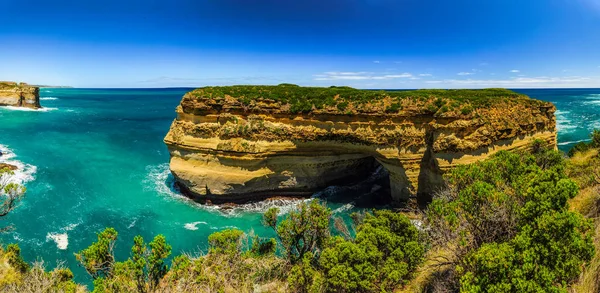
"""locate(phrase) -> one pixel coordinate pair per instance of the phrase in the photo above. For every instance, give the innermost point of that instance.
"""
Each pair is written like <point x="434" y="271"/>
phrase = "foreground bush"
<point x="383" y="256"/>
<point x="507" y="224"/>
<point x="18" y="276"/>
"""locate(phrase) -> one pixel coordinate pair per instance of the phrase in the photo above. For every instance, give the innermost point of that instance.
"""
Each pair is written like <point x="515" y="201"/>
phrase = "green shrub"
<point x="384" y="255"/>
<point x="303" y="230"/>
<point x="394" y="108"/>
<point x="227" y="241"/>
<point x="302" y="99"/>
<point x="507" y="224"/>
<point x="98" y="259"/>
<point x="13" y="252"/>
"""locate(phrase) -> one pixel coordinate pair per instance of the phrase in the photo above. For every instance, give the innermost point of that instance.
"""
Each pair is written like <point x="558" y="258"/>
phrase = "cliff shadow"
<point x="430" y="178"/>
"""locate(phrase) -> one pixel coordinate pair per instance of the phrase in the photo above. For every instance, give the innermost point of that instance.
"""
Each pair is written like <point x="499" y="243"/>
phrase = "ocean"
<point x="94" y="158"/>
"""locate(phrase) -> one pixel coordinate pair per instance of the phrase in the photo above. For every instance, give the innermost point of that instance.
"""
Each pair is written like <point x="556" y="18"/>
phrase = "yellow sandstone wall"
<point x="221" y="152"/>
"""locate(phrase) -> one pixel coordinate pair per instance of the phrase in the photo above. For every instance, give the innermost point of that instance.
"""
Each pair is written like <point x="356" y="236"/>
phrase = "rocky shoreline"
<point x="19" y="95"/>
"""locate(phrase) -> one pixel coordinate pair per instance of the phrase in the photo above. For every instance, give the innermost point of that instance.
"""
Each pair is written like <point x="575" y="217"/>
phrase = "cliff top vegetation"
<point x="346" y="99"/>
<point x="4" y="85"/>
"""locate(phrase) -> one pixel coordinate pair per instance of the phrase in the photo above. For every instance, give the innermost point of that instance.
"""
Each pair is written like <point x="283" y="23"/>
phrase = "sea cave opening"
<point x="367" y="185"/>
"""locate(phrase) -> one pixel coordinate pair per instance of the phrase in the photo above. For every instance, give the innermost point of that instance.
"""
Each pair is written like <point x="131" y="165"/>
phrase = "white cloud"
<point x="542" y="81"/>
<point x="515" y="71"/>
<point x="376" y="61"/>
<point x="425" y="74"/>
<point x="400" y="62"/>
<point x="484" y="64"/>
<point x="361" y="75"/>
<point x="465" y="73"/>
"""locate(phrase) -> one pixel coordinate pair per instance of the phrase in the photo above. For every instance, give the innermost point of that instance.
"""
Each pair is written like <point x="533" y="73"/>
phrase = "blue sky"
<point x="360" y="43"/>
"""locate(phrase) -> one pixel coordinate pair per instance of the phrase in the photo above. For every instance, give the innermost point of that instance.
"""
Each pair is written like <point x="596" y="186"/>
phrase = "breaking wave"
<point x="160" y="180"/>
<point x="24" y="173"/>
<point x="13" y="108"/>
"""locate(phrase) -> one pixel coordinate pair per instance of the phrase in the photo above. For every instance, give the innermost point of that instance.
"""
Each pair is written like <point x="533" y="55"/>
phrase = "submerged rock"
<point x="248" y="143"/>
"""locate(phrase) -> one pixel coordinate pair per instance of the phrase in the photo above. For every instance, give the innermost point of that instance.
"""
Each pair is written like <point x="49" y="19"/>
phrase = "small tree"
<point x="10" y="194"/>
<point x="159" y="251"/>
<point x="98" y="259"/>
<point x="384" y="255"/>
<point x="303" y="230"/>
<point x="227" y="242"/>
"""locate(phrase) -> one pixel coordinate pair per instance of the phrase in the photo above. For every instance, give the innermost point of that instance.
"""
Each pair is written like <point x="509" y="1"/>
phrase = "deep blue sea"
<point x="95" y="158"/>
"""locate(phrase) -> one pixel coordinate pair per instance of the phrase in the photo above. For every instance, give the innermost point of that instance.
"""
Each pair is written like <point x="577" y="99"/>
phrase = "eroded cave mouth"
<point x="367" y="186"/>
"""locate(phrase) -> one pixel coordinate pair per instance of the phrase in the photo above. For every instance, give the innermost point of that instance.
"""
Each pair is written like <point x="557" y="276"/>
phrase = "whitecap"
<point x="572" y="142"/>
<point x="132" y="223"/>
<point x="24" y="173"/>
<point x="194" y="225"/>
<point x="61" y="239"/>
<point x="344" y="208"/>
<point x="592" y="102"/>
<point x="160" y="179"/>
<point x="70" y="227"/>
<point x="48" y="99"/>
<point x="223" y="228"/>
<point x="13" y="108"/>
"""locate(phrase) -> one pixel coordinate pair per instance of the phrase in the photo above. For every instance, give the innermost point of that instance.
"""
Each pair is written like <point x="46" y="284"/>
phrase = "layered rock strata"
<point x="228" y="148"/>
<point x="19" y="95"/>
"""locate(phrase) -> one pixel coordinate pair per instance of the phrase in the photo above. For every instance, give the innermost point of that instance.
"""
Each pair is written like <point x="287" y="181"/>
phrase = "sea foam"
<point x="13" y="108"/>
<point x="24" y="173"/>
<point x="194" y="225"/>
<point x="48" y="99"/>
<point x="61" y="240"/>
<point x="160" y="179"/>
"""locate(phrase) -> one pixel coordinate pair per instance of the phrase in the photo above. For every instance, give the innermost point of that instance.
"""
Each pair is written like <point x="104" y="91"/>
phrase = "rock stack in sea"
<point x="247" y="143"/>
<point x="19" y="95"/>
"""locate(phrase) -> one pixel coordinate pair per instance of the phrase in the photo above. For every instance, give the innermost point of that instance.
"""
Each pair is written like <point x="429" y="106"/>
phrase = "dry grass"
<point x="431" y="275"/>
<point x="584" y="168"/>
<point x="228" y="273"/>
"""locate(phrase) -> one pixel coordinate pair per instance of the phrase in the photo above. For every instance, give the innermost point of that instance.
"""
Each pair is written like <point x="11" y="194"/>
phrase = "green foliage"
<point x="303" y="230"/>
<point x="142" y="272"/>
<point x="227" y="241"/>
<point x="263" y="247"/>
<point x="579" y="147"/>
<point x="466" y="110"/>
<point x="159" y="251"/>
<point x="13" y="252"/>
<point x="304" y="277"/>
<point x="98" y="259"/>
<point x="385" y="254"/>
<point x="508" y="224"/>
<point x="342" y="106"/>
<point x="303" y="99"/>
<point x="394" y="108"/>
<point x="584" y="146"/>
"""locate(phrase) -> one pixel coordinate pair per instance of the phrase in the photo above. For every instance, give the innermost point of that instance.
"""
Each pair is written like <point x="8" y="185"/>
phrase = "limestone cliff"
<point x="19" y="95"/>
<point x="245" y="143"/>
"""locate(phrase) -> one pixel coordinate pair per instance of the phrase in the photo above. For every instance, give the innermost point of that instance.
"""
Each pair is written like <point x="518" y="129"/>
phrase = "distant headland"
<point x="19" y="95"/>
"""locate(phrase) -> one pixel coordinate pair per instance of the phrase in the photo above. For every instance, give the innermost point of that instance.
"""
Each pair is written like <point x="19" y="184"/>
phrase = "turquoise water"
<point x="578" y="112"/>
<point x="95" y="159"/>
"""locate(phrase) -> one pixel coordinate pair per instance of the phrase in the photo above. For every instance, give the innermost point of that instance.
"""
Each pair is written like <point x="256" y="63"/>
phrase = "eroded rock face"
<point x="19" y="95"/>
<point x="225" y="149"/>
